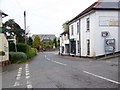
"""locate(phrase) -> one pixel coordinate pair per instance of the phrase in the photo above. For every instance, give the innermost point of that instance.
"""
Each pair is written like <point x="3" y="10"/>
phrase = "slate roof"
<point x="100" y="5"/>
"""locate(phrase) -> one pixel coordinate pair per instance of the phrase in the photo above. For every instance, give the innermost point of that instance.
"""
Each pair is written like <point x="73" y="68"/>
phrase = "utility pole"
<point x="25" y="25"/>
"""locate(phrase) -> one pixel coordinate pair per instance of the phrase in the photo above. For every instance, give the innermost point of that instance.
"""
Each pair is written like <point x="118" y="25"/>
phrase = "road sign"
<point x="110" y="49"/>
<point x="105" y="34"/>
<point x="110" y="42"/>
<point x="109" y="45"/>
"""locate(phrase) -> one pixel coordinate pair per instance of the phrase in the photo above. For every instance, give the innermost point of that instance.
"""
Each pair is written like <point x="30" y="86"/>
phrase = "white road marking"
<point x="55" y="61"/>
<point x="27" y="77"/>
<point x="29" y="85"/>
<point x="59" y="63"/>
<point x="19" y="72"/>
<point x="27" y="74"/>
<point x="102" y="77"/>
<point x="45" y="56"/>
<point x="18" y="77"/>
<point x="16" y="83"/>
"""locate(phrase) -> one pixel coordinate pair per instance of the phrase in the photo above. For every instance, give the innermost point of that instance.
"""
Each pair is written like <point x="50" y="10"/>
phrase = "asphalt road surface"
<point x="50" y="70"/>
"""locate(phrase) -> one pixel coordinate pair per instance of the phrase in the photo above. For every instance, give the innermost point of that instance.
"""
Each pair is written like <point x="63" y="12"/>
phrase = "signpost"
<point x="109" y="44"/>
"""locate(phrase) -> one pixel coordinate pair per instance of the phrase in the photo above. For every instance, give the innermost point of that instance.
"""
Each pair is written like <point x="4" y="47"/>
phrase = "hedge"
<point x="30" y="52"/>
<point x="11" y="47"/>
<point x="17" y="57"/>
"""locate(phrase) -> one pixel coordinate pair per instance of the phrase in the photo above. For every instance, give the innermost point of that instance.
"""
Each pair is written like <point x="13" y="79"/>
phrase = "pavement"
<point x="50" y="70"/>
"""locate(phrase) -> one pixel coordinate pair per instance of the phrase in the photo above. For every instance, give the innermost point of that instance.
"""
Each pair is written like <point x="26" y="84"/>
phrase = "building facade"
<point x="95" y="31"/>
<point x="4" y="48"/>
<point x="64" y="43"/>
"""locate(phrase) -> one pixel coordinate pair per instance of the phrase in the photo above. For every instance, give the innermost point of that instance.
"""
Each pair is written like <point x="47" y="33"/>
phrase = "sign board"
<point x="105" y="34"/>
<point x="109" y="45"/>
<point x="109" y="21"/>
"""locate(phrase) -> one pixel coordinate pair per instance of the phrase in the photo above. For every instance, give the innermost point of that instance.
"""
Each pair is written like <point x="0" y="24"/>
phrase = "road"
<point x="50" y="70"/>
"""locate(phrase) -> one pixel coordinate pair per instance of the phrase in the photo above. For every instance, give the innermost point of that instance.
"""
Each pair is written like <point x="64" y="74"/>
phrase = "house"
<point x="4" y="48"/>
<point x="45" y="37"/>
<point x="47" y="40"/>
<point x="64" y="43"/>
<point x="95" y="31"/>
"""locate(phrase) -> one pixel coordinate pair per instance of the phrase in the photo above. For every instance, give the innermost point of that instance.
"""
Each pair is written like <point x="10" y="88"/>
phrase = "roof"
<point x="99" y="5"/>
<point x="64" y="32"/>
<point x="3" y="13"/>
<point x="45" y="36"/>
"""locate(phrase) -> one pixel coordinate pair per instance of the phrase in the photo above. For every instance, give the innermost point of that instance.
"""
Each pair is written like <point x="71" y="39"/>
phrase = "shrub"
<point x="21" y="47"/>
<point x="30" y="52"/>
<point x="17" y="57"/>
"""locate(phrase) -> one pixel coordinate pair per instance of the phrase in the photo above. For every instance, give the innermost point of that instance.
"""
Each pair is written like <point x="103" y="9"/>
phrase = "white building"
<point x="4" y="48"/>
<point x="64" y="43"/>
<point x="98" y="19"/>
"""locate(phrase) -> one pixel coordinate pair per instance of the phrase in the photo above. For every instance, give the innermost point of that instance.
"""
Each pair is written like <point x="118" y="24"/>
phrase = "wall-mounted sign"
<point x="109" y="45"/>
<point x="109" y="21"/>
<point x="105" y="34"/>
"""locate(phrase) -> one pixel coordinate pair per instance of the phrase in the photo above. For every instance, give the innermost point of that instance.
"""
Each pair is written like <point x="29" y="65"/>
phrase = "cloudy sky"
<point x="43" y="16"/>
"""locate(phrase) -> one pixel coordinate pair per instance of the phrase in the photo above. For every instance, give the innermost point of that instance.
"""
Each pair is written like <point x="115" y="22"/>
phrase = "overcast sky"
<point x="43" y="16"/>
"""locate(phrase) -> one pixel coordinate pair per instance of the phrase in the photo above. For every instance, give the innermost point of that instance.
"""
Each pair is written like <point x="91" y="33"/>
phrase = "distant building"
<point x="64" y="43"/>
<point x="45" y="37"/>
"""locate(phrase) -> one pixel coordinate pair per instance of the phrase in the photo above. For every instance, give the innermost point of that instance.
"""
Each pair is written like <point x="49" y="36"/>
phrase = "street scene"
<point x="49" y="70"/>
<point x="60" y="44"/>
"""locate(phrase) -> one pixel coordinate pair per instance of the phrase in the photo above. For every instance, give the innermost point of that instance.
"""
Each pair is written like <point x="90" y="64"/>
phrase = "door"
<point x="88" y="47"/>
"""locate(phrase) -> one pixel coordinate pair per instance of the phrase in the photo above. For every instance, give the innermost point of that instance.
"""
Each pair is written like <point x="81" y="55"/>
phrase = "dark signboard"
<point x="109" y="45"/>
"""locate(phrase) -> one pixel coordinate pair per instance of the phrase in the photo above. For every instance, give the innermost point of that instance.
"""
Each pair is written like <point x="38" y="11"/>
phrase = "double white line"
<point x="27" y="76"/>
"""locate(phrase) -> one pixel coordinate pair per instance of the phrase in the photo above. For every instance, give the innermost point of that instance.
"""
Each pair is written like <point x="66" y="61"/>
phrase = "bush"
<point x="30" y="52"/>
<point x="17" y="57"/>
<point x="21" y="47"/>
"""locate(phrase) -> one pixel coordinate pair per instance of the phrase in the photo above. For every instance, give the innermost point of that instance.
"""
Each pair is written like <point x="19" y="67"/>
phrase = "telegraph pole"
<point x="25" y="25"/>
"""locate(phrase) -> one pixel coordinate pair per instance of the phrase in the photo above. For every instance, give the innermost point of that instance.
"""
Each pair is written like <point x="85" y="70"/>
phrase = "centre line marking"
<point x="59" y="63"/>
<point x="56" y="62"/>
<point x="102" y="77"/>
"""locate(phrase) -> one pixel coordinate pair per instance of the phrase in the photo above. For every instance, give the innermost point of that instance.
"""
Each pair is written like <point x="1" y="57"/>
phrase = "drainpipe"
<point x="79" y="40"/>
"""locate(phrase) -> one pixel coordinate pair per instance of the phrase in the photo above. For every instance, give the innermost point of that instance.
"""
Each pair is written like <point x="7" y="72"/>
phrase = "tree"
<point x="55" y="42"/>
<point x="30" y="41"/>
<point x="11" y="28"/>
<point x="66" y="26"/>
<point x="36" y="42"/>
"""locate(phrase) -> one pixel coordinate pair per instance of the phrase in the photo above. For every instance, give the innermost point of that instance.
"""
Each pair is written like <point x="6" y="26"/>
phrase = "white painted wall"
<point x="99" y="41"/>
<point x="4" y="47"/>
<point x="0" y="20"/>
<point x="63" y="40"/>
<point x="75" y="35"/>
<point x="96" y="40"/>
<point x="3" y="44"/>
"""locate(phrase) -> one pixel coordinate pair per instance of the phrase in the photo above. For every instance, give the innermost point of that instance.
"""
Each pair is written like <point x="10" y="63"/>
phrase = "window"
<point x="88" y="47"/>
<point x="88" y="24"/>
<point x="72" y="30"/>
<point x="78" y="27"/>
<point x="78" y="47"/>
